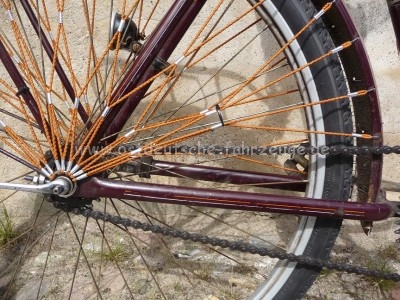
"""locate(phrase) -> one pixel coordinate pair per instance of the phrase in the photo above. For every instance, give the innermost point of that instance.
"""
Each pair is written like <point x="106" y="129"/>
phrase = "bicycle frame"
<point x="161" y="44"/>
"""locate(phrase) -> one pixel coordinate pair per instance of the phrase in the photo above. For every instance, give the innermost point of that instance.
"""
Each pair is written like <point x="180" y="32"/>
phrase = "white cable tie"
<point x="121" y="25"/>
<point x="60" y="17"/>
<point x="180" y="59"/>
<point x="58" y="165"/>
<point x="69" y="166"/>
<point x="63" y="165"/>
<point x="78" y="173"/>
<point x="319" y="14"/>
<point x="48" y="95"/>
<point x="16" y="59"/>
<point x="130" y="133"/>
<point x="45" y="173"/>
<point x="137" y="151"/>
<point x="76" y="103"/>
<point x="51" y="36"/>
<point x="208" y="112"/>
<point x="68" y="105"/>
<point x="49" y="169"/>
<point x="217" y="126"/>
<point x="357" y="135"/>
<point x="81" y="177"/>
<point x="337" y="49"/>
<point x="74" y="169"/>
<point x="351" y="95"/>
<point x="10" y="15"/>
<point x="105" y="112"/>
<point x="211" y="112"/>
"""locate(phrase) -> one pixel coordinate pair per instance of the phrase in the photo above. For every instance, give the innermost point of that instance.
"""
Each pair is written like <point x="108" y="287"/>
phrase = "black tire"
<point x="330" y="82"/>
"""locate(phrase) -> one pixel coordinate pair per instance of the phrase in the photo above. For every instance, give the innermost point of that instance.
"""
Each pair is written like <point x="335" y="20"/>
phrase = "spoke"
<point x="24" y="250"/>
<point x="81" y="251"/>
<point x="47" y="256"/>
<point x="187" y="102"/>
<point x="116" y="262"/>
<point x="132" y="239"/>
<point x="89" y="97"/>
<point x="90" y="165"/>
<point x="170" y="256"/>
<point x="228" y="176"/>
<point x="216" y="219"/>
<point x="160" y="142"/>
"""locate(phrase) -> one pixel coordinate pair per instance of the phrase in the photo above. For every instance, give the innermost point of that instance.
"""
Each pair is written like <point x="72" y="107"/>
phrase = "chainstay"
<point x="217" y="242"/>
<point x="242" y="246"/>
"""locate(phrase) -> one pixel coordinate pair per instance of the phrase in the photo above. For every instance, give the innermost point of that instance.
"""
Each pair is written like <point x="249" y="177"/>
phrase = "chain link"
<point x="309" y="150"/>
<point x="235" y="246"/>
<point x="246" y="247"/>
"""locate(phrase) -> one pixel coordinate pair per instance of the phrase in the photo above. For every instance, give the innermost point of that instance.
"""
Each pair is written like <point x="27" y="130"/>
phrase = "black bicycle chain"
<point x="277" y="150"/>
<point x="217" y="242"/>
<point x="243" y="246"/>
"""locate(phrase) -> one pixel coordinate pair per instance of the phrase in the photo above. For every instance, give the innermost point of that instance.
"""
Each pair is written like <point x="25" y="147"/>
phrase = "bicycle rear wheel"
<point x="276" y="83"/>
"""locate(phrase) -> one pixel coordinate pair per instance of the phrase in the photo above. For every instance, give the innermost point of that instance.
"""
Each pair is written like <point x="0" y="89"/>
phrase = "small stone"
<point x="210" y="297"/>
<point x="395" y="293"/>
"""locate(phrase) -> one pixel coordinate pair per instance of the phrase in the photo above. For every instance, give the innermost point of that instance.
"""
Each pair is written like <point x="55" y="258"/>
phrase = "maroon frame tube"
<point x="19" y="82"/>
<point x="98" y="187"/>
<point x="205" y="173"/>
<point x="50" y="52"/>
<point x="160" y="44"/>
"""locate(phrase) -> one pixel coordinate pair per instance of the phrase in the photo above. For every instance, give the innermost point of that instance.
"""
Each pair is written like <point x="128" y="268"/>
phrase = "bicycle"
<point x="136" y="116"/>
